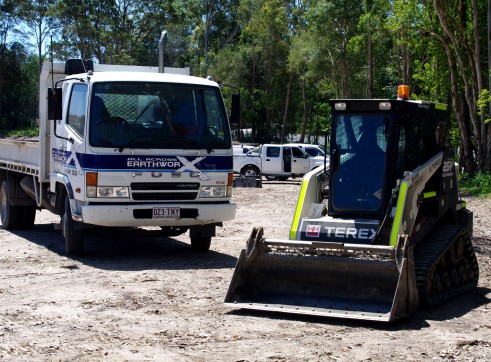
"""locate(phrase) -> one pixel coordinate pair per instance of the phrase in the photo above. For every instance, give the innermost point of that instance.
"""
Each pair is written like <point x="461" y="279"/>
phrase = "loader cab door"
<point x="358" y="146"/>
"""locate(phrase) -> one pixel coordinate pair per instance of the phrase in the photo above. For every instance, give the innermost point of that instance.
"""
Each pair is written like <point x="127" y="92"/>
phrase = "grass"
<point x="25" y="132"/>
<point x="476" y="185"/>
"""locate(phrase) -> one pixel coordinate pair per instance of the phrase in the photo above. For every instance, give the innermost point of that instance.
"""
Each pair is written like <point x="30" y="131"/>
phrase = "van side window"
<point x="77" y="109"/>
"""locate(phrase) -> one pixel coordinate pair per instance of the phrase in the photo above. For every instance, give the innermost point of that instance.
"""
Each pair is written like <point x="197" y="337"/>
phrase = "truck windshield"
<point x="360" y="143"/>
<point x="157" y="115"/>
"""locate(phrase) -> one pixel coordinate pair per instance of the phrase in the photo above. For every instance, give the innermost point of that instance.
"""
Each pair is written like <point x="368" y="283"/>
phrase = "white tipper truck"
<point x="122" y="146"/>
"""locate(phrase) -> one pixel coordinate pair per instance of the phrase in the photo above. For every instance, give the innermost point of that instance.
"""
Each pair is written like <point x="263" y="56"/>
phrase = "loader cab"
<point x="359" y="154"/>
<point x="373" y="143"/>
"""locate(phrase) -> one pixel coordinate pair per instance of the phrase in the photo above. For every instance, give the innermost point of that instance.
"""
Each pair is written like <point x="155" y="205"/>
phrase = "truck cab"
<point x="124" y="146"/>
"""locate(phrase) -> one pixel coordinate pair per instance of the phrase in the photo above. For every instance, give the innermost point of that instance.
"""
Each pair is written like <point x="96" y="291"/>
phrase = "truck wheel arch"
<point x="62" y="189"/>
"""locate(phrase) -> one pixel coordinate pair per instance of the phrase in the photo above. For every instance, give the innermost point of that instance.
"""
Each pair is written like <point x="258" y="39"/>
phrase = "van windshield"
<point x="157" y="115"/>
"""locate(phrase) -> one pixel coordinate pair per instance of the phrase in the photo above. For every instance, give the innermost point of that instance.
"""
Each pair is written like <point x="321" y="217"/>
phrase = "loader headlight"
<point x="340" y="106"/>
<point x="384" y="106"/>
<point x="112" y="191"/>
<point x="213" y="191"/>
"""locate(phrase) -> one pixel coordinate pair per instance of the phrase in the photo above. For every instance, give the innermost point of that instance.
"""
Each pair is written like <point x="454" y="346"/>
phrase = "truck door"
<point x="300" y="161"/>
<point x="272" y="163"/>
<point x="75" y="132"/>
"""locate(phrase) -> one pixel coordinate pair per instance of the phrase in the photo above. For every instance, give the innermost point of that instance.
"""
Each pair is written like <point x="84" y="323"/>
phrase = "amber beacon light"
<point x="403" y="92"/>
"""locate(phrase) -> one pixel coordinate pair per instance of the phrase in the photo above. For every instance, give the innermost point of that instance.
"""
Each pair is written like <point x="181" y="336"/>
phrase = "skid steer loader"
<point x="380" y="232"/>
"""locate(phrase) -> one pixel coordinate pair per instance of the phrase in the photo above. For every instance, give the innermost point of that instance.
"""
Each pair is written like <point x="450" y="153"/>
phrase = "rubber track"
<point x="429" y="252"/>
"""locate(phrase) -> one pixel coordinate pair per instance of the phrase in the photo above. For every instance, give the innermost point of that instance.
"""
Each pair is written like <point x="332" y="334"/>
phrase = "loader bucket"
<point x="323" y="279"/>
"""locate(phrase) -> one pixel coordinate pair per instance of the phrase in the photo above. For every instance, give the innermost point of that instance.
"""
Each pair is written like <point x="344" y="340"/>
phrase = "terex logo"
<point x="347" y="232"/>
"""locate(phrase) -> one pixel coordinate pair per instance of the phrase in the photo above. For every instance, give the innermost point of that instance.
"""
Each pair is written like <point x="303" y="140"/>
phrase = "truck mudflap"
<point x="354" y="281"/>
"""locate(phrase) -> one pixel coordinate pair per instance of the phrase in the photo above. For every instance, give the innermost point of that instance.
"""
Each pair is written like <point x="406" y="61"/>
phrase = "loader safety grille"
<point x="356" y="251"/>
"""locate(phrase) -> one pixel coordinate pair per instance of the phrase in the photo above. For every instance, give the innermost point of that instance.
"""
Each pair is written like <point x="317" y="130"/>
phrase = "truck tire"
<point x="28" y="217"/>
<point x="74" y="237"/>
<point x="200" y="244"/>
<point x="11" y="216"/>
<point x="250" y="171"/>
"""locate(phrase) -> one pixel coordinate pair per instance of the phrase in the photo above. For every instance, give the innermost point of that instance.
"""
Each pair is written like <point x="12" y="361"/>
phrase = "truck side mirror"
<point x="235" y="114"/>
<point x="54" y="103"/>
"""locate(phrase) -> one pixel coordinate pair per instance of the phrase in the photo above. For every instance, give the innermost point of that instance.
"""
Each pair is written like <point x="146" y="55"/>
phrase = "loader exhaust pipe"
<point x="163" y="39"/>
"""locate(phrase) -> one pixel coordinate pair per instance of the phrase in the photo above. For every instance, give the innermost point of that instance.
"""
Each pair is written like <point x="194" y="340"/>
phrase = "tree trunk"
<point x="370" y="67"/>
<point x="488" y="133"/>
<point x="304" y="118"/>
<point x="466" y="146"/>
<point x="207" y="31"/>
<point x="287" y="107"/>
<point x="470" y="87"/>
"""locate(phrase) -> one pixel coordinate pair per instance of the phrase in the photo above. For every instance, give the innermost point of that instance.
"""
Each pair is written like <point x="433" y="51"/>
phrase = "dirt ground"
<point x="136" y="296"/>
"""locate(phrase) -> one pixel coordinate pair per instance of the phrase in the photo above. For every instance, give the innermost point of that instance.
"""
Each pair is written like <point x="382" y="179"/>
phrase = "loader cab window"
<point x="77" y="109"/>
<point x="360" y="143"/>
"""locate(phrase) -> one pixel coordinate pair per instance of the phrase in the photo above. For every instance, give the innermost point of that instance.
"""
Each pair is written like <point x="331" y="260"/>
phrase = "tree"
<point x="7" y="23"/>
<point x="40" y="21"/>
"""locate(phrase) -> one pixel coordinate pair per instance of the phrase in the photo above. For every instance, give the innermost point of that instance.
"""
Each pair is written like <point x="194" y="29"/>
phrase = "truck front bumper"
<point x="141" y="215"/>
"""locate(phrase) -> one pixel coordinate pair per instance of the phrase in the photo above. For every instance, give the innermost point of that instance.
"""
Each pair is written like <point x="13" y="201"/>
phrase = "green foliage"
<point x="483" y="105"/>
<point x="32" y="131"/>
<point x="268" y="49"/>
<point x="476" y="185"/>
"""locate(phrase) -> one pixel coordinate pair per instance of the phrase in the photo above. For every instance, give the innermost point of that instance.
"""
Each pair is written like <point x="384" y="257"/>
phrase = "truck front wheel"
<point x="200" y="244"/>
<point x="74" y="237"/>
<point x="11" y="215"/>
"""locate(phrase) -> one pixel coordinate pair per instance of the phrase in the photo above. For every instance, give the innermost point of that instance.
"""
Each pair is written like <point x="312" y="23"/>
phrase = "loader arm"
<point x="410" y="189"/>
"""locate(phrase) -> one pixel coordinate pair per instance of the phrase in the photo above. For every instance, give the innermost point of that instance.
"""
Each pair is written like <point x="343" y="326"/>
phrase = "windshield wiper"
<point x="130" y="142"/>
<point x="197" y="144"/>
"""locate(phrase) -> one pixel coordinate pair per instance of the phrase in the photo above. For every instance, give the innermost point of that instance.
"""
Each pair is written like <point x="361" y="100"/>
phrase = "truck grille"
<point x="164" y="191"/>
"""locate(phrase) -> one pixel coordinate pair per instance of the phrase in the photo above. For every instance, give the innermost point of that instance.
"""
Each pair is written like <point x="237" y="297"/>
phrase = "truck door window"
<point x="77" y="109"/>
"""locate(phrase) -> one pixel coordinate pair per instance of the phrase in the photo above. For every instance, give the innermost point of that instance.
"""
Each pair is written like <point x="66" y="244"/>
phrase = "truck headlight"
<point x="213" y="191"/>
<point x="112" y="191"/>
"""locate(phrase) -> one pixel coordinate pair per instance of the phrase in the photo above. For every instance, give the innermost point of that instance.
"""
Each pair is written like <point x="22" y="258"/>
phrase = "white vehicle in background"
<point x="276" y="162"/>
<point x="242" y="149"/>
<point x="312" y="150"/>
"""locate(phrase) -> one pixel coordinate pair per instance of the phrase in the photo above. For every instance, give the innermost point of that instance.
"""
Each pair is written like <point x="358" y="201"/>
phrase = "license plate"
<point x="165" y="212"/>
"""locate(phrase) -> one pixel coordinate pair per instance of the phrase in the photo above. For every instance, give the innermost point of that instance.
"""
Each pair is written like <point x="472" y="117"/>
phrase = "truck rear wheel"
<point x="201" y="244"/>
<point x="74" y="237"/>
<point x="11" y="216"/>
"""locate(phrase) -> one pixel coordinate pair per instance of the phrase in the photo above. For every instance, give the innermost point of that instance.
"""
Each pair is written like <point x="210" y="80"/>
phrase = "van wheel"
<point x="250" y="171"/>
<point x="201" y="244"/>
<point x="11" y="216"/>
<point x="73" y="234"/>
